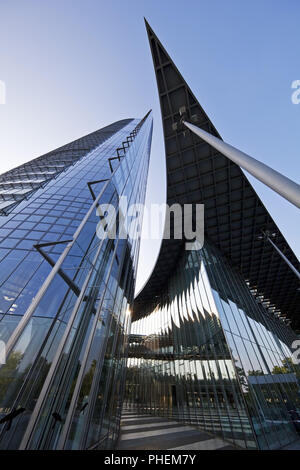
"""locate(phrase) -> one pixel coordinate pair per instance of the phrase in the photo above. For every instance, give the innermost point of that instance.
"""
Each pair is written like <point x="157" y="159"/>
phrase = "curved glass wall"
<point x="208" y="354"/>
<point x="65" y="296"/>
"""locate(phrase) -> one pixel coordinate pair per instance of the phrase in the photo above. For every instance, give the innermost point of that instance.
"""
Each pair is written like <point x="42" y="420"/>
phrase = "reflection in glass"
<point x="228" y="361"/>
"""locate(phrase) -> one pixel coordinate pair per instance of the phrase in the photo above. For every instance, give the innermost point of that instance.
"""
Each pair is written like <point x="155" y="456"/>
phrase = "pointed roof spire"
<point x="169" y="77"/>
<point x="234" y="214"/>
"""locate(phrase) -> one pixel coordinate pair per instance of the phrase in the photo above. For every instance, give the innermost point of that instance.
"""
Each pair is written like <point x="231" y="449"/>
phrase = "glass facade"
<point x="21" y="182"/>
<point x="207" y="353"/>
<point x="65" y="292"/>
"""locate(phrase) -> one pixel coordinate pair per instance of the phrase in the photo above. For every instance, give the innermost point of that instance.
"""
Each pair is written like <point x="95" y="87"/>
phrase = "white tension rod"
<point x="276" y="181"/>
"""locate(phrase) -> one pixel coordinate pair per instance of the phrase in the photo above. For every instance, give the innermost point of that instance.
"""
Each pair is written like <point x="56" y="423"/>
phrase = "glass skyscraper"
<point x="66" y="292"/>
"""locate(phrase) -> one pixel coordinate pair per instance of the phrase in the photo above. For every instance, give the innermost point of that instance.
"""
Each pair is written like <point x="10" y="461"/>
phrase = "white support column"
<point x="284" y="257"/>
<point x="276" y="181"/>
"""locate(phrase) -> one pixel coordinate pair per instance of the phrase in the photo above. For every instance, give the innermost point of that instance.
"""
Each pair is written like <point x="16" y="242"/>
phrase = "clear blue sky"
<point x="73" y="66"/>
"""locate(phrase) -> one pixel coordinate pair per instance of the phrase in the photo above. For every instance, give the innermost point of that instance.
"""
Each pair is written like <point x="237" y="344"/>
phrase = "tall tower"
<point x="66" y="289"/>
<point x="211" y="343"/>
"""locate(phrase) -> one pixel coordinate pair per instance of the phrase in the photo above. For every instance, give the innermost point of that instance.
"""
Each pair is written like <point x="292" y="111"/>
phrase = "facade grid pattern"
<point x="205" y="352"/>
<point x="65" y="298"/>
